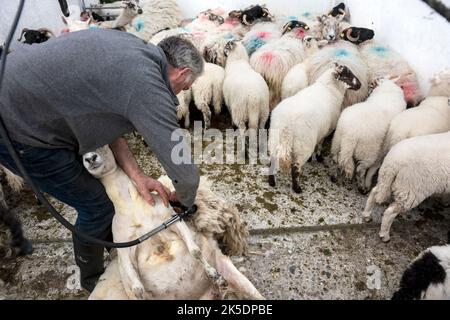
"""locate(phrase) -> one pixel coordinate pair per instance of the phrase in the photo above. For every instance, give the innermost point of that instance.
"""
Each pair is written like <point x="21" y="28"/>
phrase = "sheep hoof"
<point x="25" y="248"/>
<point x="272" y="181"/>
<point x="310" y="159"/>
<point x="319" y="158"/>
<point x="385" y="238"/>
<point x="363" y="191"/>
<point x="297" y="189"/>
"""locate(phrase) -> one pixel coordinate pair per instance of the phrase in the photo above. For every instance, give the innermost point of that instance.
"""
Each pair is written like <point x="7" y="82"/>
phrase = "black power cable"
<point x="8" y="143"/>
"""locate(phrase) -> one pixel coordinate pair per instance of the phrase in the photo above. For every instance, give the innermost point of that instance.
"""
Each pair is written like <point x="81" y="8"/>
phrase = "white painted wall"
<point x="409" y="26"/>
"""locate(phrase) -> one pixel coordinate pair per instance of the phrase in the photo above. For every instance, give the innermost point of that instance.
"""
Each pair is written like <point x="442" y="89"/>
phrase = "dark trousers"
<point x="60" y="173"/>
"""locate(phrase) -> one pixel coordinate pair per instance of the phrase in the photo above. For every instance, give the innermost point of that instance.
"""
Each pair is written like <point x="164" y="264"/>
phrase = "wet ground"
<point x="312" y="245"/>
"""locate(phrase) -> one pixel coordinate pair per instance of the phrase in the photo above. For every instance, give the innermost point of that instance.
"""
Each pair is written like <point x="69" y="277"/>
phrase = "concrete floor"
<point x="308" y="246"/>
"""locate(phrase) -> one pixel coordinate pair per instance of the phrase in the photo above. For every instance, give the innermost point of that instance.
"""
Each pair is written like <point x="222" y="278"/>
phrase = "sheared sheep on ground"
<point x="182" y="262"/>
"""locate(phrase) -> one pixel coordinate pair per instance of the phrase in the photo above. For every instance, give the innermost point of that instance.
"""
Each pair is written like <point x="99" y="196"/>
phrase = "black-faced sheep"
<point x="300" y="123"/>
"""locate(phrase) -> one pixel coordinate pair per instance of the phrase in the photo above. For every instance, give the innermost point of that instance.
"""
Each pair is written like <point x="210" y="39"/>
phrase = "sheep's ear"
<point x="322" y="18"/>
<point x="230" y="46"/>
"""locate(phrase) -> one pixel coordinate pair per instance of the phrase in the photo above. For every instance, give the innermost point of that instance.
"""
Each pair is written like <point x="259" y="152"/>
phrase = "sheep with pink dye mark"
<point x="274" y="59"/>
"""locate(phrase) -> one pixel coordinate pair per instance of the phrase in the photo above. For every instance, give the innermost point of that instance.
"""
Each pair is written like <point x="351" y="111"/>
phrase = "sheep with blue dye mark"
<point x="383" y="61"/>
<point x="412" y="171"/>
<point x="300" y="124"/>
<point x="346" y="54"/>
<point x="157" y="15"/>
<point x="360" y="132"/>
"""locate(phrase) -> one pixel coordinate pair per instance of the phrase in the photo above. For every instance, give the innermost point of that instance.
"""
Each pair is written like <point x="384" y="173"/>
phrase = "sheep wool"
<point x="361" y="130"/>
<point x="157" y="15"/>
<point x="346" y="54"/>
<point x="412" y="171"/>
<point x="249" y="106"/>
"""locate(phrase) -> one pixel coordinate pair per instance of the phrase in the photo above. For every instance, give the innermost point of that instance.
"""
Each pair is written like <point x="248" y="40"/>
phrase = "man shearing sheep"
<point x="86" y="89"/>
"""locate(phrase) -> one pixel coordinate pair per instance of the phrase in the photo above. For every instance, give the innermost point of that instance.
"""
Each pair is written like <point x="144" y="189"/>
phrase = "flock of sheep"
<point x="313" y="75"/>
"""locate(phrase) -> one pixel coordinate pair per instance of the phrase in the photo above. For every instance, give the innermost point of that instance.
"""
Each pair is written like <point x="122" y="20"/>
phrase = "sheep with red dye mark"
<point x="432" y="116"/>
<point x="384" y="62"/>
<point x="274" y="59"/>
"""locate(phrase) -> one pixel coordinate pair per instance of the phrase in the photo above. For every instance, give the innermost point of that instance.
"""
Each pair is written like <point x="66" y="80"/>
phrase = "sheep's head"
<point x="294" y="24"/>
<point x="440" y="84"/>
<point x="339" y="10"/>
<point x="212" y="16"/>
<point x="312" y="44"/>
<point x="250" y="15"/>
<point x="76" y="25"/>
<point x="344" y="74"/>
<point x="229" y="47"/>
<point x="133" y="7"/>
<point x="100" y="163"/>
<point x="357" y="35"/>
<point x="330" y="26"/>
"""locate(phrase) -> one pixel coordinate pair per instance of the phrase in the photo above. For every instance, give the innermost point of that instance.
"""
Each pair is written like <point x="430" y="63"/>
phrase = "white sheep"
<point x="383" y="61"/>
<point x="157" y="15"/>
<point x="245" y="92"/>
<point x="346" y="54"/>
<point x="427" y="277"/>
<point x="207" y="89"/>
<point x="361" y="131"/>
<point x="131" y="10"/>
<point x="297" y="78"/>
<point x="182" y="262"/>
<point x="302" y="122"/>
<point x="412" y="171"/>
<point x="430" y="117"/>
<point x="274" y="59"/>
<point x="184" y="98"/>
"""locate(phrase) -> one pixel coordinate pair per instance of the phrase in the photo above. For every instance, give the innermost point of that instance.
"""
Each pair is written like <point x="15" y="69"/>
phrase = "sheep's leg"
<point x="204" y="108"/>
<point x="361" y="172"/>
<point x="369" y="176"/>
<point x="21" y="245"/>
<point x="186" y="120"/>
<point x="263" y="117"/>
<point x="370" y="205"/>
<point x="272" y="170"/>
<point x="186" y="235"/>
<point x="388" y="218"/>
<point x="129" y="275"/>
<point x="295" y="172"/>
<point x="238" y="283"/>
<point x="318" y="153"/>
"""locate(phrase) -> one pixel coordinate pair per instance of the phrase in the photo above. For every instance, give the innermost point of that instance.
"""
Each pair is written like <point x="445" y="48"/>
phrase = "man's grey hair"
<point x="181" y="53"/>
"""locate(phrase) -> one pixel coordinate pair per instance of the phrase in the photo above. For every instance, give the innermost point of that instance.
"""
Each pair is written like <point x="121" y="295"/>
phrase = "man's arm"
<point x="144" y="183"/>
<point x="152" y="112"/>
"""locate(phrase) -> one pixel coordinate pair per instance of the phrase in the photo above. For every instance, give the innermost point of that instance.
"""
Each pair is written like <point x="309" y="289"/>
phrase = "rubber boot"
<point x="89" y="259"/>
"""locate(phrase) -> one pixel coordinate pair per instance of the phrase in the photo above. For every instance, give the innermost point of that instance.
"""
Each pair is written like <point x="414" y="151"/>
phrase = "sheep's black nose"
<point x="91" y="159"/>
<point x="140" y="11"/>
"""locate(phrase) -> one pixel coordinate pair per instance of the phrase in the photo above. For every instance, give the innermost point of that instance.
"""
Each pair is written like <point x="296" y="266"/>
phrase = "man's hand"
<point x="145" y="185"/>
